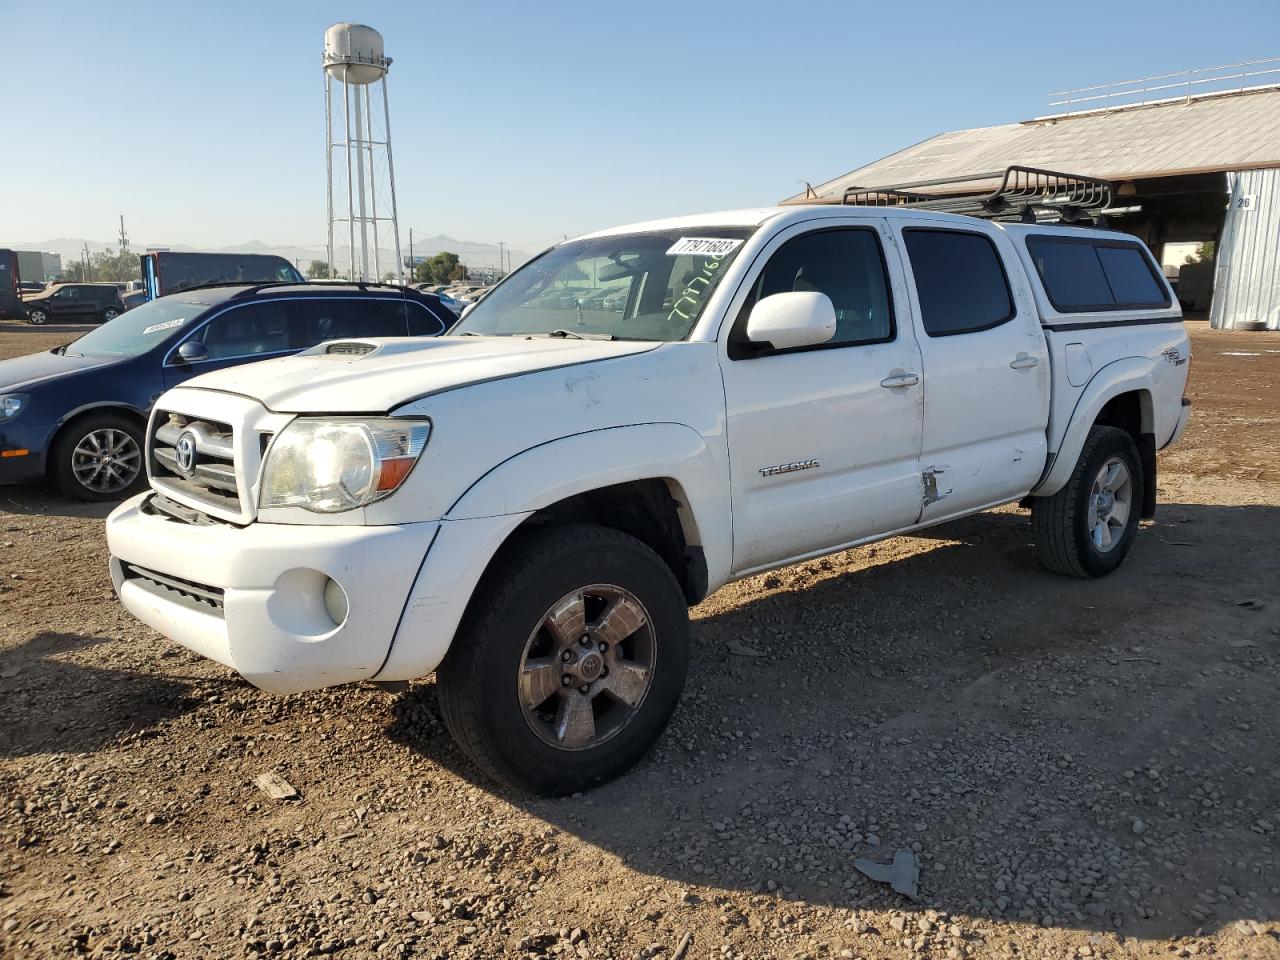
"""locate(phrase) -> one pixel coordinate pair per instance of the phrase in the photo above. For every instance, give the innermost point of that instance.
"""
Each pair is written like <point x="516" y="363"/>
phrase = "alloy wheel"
<point x="106" y="460"/>
<point x="1110" y="503"/>
<point x="587" y="667"/>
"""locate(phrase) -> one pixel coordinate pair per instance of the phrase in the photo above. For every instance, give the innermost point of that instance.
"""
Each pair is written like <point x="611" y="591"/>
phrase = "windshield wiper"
<point x="563" y="334"/>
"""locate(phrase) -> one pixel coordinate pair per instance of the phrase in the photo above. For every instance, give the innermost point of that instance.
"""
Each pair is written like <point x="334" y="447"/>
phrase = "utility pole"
<point x="85" y="271"/>
<point x="124" y="238"/>
<point x="501" y="244"/>
<point x="412" y="265"/>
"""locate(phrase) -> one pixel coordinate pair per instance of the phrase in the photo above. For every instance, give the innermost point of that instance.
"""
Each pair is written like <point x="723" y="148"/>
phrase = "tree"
<point x="318" y="270"/>
<point x="1204" y="251"/>
<point x="444" y="267"/>
<point x="108" y="266"/>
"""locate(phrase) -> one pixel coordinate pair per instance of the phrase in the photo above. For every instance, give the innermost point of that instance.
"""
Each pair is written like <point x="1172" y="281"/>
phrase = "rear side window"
<point x="335" y="319"/>
<point x="960" y="281"/>
<point x="1081" y="274"/>
<point x="422" y="322"/>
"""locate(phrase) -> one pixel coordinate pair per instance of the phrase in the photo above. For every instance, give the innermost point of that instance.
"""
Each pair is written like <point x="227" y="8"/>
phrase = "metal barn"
<point x="1198" y="168"/>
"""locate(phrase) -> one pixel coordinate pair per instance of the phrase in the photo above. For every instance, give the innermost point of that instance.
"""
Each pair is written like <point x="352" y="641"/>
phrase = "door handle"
<point x="900" y="380"/>
<point x="1024" y="361"/>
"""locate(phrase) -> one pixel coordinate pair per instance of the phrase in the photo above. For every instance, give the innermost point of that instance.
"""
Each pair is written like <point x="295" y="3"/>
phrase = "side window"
<point x="334" y="318"/>
<point x="251" y="330"/>
<point x="422" y="322"/>
<point x="960" y="281"/>
<point x="844" y="263"/>
<point x="1085" y="275"/>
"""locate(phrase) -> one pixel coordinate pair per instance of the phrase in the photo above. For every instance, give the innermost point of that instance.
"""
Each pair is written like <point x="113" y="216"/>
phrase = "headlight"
<point x="11" y="404"/>
<point x="327" y="466"/>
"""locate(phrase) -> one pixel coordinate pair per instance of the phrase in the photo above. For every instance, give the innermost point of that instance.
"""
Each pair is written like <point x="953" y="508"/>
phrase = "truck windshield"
<point x="138" y="330"/>
<point x="639" y="286"/>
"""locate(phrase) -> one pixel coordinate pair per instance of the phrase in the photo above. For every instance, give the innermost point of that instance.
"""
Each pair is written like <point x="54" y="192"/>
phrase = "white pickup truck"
<point x="528" y="505"/>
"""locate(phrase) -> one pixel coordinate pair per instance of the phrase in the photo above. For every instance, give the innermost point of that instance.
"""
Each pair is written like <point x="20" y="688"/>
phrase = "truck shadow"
<point x="946" y="694"/>
<point x="35" y="499"/>
<point x="53" y="705"/>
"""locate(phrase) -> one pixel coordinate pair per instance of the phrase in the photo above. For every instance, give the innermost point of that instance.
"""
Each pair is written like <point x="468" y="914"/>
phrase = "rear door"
<point x="824" y="442"/>
<point x="985" y="366"/>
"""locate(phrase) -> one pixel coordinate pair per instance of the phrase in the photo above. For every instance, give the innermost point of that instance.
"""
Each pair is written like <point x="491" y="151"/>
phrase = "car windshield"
<point x="638" y="286"/>
<point x="139" y="330"/>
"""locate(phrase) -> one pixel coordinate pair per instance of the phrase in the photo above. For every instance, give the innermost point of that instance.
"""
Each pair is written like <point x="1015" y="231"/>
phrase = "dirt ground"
<point x="1086" y="769"/>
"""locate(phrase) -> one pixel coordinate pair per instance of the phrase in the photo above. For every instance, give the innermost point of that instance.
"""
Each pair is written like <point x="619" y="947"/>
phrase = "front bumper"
<point x="252" y="598"/>
<point x="19" y="468"/>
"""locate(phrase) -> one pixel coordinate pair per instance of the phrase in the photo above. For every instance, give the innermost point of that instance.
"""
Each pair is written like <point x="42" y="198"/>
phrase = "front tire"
<point x="569" y="662"/>
<point x="98" y="459"/>
<point x="1086" y="528"/>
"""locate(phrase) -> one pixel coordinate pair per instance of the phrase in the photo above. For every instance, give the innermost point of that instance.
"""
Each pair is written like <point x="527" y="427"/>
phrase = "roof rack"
<point x="1028" y="194"/>
<point x="252" y="286"/>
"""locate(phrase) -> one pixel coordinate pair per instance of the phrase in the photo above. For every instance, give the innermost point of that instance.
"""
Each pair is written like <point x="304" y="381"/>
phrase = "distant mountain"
<point x="472" y="253"/>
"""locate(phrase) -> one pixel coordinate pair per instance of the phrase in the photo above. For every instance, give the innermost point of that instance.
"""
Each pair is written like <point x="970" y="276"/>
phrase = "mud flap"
<point x="1147" y="457"/>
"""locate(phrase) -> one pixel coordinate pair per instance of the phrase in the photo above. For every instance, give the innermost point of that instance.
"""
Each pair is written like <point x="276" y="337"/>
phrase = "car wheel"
<point x="110" y="314"/>
<point x="1087" y="527"/>
<point x="99" y="458"/>
<point x="569" y="662"/>
<point x="37" y="317"/>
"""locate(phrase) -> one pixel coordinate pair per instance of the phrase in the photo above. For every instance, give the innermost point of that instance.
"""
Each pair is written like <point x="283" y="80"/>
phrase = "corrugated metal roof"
<point x="1218" y="132"/>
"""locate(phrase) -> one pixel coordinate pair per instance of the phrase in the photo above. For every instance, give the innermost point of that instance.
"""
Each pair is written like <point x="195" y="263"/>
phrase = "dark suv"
<point x="74" y="302"/>
<point x="77" y="414"/>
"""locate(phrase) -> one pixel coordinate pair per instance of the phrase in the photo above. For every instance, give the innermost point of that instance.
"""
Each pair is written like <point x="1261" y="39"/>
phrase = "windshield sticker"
<point x="702" y="247"/>
<point x="167" y="325"/>
<point x="689" y="302"/>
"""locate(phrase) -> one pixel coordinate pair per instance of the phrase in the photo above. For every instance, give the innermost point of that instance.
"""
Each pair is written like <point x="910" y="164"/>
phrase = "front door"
<point x="824" y="442"/>
<point x="986" y="368"/>
<point x="239" y="334"/>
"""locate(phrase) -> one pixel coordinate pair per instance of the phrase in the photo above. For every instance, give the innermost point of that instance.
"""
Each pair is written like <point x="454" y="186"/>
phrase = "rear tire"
<point x="37" y="318"/>
<point x="569" y="661"/>
<point x="109" y="314"/>
<point x="99" y="458"/>
<point x="1086" y="528"/>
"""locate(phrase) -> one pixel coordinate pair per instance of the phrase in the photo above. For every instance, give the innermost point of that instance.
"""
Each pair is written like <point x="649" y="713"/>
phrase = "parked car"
<point x="74" y="303"/>
<point x="133" y="298"/>
<point x="77" y="414"/>
<point x="527" y="505"/>
<point x="455" y="305"/>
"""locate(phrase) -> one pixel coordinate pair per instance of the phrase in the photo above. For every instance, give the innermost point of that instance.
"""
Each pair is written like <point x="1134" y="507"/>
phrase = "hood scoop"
<point x="350" y="348"/>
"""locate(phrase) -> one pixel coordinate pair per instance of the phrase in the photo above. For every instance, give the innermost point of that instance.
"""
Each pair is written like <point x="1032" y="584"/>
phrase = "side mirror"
<point x="192" y="351"/>
<point x="801" y="318"/>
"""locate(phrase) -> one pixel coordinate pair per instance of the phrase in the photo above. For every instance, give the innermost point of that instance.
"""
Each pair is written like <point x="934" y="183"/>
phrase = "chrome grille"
<point x="195" y="457"/>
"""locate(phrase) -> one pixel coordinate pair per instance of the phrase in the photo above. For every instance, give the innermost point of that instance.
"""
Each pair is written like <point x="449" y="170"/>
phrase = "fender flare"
<point x="1127" y="375"/>
<point x="484" y="517"/>
<point x="536" y="478"/>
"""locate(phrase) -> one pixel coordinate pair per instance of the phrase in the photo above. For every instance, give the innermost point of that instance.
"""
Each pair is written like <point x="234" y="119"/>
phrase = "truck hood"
<point x="330" y="379"/>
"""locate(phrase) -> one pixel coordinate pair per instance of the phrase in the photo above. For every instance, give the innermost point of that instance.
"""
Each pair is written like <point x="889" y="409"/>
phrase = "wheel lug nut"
<point x="566" y="680"/>
<point x="603" y="646"/>
<point x="585" y="641"/>
<point x="566" y="656"/>
<point x="585" y="688"/>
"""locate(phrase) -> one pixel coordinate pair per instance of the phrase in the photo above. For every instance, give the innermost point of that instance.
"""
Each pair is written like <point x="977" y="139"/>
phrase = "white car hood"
<point x="399" y="370"/>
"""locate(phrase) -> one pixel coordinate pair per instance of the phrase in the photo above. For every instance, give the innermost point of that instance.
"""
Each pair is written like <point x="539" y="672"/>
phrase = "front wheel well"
<point x="650" y="511"/>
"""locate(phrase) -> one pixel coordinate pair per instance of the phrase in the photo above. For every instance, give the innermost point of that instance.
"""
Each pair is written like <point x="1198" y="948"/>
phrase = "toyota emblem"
<point x="185" y="454"/>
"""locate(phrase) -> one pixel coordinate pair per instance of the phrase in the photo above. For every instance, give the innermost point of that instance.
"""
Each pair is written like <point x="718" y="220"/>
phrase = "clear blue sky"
<point x="520" y="121"/>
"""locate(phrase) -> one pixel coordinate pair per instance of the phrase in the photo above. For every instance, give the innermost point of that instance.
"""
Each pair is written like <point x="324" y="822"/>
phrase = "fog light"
<point x="335" y="602"/>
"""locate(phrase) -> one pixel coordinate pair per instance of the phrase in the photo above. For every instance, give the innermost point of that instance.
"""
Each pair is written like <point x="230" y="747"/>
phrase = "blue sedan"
<point x="77" y="414"/>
